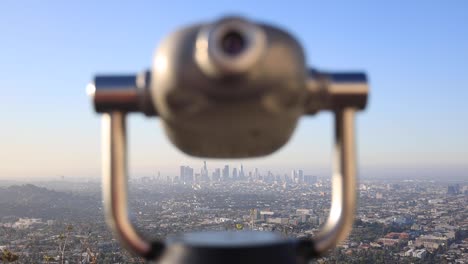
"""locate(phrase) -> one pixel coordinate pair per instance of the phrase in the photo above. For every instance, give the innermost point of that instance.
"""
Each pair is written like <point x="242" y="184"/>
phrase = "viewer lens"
<point x="233" y="43"/>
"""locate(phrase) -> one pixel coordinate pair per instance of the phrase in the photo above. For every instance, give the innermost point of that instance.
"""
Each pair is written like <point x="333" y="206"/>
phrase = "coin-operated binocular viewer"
<point x="229" y="89"/>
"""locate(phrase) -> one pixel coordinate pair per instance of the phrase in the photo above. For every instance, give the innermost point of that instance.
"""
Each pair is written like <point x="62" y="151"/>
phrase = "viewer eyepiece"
<point x="230" y="46"/>
<point x="233" y="43"/>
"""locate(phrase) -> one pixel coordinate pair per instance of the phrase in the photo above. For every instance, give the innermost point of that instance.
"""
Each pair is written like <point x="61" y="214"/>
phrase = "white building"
<point x="24" y="223"/>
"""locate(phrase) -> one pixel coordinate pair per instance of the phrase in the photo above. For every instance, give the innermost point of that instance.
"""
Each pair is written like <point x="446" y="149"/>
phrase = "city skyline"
<point x="228" y="173"/>
<point x="415" y="58"/>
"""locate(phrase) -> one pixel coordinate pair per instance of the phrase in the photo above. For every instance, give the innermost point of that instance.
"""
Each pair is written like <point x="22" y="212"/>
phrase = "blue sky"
<point x="414" y="52"/>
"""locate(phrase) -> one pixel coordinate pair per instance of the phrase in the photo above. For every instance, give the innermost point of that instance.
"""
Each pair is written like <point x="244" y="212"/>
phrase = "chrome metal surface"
<point x="341" y="218"/>
<point x="114" y="165"/>
<point x="221" y="105"/>
<point x="331" y="91"/>
<point x="347" y="90"/>
<point x="114" y="92"/>
<point x="128" y="93"/>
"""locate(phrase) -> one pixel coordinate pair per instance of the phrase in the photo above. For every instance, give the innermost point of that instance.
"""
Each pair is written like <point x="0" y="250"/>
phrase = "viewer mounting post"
<point x="229" y="89"/>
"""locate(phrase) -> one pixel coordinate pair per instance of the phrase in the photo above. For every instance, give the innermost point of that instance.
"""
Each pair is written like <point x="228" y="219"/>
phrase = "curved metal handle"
<point x="343" y="201"/>
<point x="114" y="164"/>
<point x="337" y="227"/>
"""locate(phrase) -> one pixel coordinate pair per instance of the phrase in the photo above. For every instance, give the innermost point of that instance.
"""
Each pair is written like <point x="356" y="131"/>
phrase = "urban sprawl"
<point x="397" y="221"/>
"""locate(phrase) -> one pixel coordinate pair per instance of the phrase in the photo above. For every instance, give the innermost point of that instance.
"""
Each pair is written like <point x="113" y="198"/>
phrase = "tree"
<point x="48" y="259"/>
<point x="64" y="238"/>
<point x="8" y="256"/>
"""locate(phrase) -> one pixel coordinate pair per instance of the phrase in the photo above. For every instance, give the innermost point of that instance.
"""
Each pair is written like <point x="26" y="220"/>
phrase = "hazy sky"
<point x="415" y="54"/>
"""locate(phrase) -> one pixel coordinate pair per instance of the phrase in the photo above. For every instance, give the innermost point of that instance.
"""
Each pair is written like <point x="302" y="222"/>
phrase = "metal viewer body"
<point x="229" y="89"/>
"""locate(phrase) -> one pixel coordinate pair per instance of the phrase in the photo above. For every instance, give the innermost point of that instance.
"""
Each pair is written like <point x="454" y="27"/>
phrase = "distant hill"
<point x="32" y="201"/>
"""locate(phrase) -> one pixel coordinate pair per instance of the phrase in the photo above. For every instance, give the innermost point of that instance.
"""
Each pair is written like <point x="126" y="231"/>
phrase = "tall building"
<point x="309" y="179"/>
<point x="255" y="214"/>
<point x="241" y="172"/>
<point x="294" y="176"/>
<point x="234" y="174"/>
<point x="204" y="172"/>
<point x="226" y="173"/>
<point x="453" y="189"/>
<point x="182" y="173"/>
<point x="216" y="175"/>
<point x="189" y="174"/>
<point x="269" y="177"/>
<point x="300" y="175"/>
<point x="186" y="174"/>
